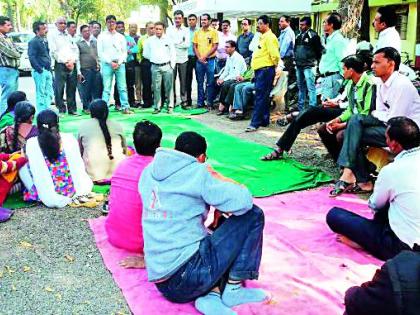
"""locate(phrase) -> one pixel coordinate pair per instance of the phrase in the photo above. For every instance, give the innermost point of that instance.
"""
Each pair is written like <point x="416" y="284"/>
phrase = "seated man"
<point x="242" y="97"/>
<point x="184" y="261"/>
<point x="123" y="224"/>
<point x="395" y="96"/>
<point x="394" y="289"/>
<point x="395" y="199"/>
<point x="235" y="67"/>
<point x="353" y="67"/>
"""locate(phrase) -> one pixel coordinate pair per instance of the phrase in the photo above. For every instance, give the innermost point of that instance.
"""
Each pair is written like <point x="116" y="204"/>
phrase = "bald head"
<point x="132" y="29"/>
<point x="61" y="23"/>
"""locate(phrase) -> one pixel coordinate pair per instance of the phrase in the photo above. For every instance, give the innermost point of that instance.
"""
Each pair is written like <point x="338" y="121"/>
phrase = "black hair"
<point x="307" y="20"/>
<point x="264" y="18"/>
<point x="150" y="22"/>
<point x="179" y="12"/>
<point x="207" y="16"/>
<point x="232" y="43"/>
<point x="214" y="20"/>
<point x="48" y="134"/>
<point x="91" y="23"/>
<point x="367" y="58"/>
<point x="404" y="131"/>
<point x="192" y="15"/>
<point x="248" y="20"/>
<point x="110" y="17"/>
<point x="70" y="23"/>
<point x="335" y="19"/>
<point x="286" y="17"/>
<point x="99" y="110"/>
<point x="160" y="23"/>
<point x="226" y="22"/>
<point x="120" y="22"/>
<point x="36" y="25"/>
<point x="4" y="19"/>
<point x="191" y="143"/>
<point x="14" y="98"/>
<point x="354" y="62"/>
<point x="391" y="53"/>
<point x="23" y="112"/>
<point x="83" y="27"/>
<point x="146" y="137"/>
<point x="388" y="15"/>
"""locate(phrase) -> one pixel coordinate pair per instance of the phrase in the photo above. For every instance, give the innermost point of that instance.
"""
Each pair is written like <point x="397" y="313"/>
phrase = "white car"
<point x="21" y="39"/>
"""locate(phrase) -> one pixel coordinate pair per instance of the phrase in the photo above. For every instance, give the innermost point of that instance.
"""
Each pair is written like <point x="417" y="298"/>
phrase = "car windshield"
<point x="21" y="38"/>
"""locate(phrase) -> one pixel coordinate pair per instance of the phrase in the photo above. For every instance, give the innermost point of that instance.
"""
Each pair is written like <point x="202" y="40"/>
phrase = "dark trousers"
<point x="374" y="235"/>
<point x="230" y="96"/>
<point x="332" y="142"/>
<point x="308" y="117"/>
<point x="263" y="84"/>
<point x="68" y="80"/>
<point x="225" y="89"/>
<point x="233" y="250"/>
<point x="181" y="69"/>
<point x="361" y="131"/>
<point x="188" y="84"/>
<point x="289" y="66"/>
<point x="130" y="79"/>
<point x="91" y="88"/>
<point x="146" y="81"/>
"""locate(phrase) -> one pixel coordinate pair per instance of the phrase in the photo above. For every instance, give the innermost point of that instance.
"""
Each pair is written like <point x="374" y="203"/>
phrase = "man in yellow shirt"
<point x="205" y="45"/>
<point x="264" y="62"/>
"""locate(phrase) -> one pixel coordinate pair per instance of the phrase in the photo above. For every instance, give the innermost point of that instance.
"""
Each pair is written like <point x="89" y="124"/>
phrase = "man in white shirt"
<point x="180" y="37"/>
<point x="112" y="52"/>
<point x="396" y="96"/>
<point x="65" y="54"/>
<point x="235" y="67"/>
<point x="395" y="200"/>
<point x="384" y="23"/>
<point x="159" y="49"/>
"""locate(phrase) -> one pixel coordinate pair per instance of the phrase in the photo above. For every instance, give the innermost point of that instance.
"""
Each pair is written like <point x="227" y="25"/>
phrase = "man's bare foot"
<point x="348" y="242"/>
<point x="133" y="262"/>
<point x="348" y="176"/>
<point x="368" y="186"/>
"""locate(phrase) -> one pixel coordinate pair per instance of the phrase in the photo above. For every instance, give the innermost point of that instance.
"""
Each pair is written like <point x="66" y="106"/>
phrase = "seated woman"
<point x="102" y="143"/>
<point x="14" y="138"/>
<point x="8" y="117"/>
<point x="55" y="173"/>
<point x="123" y="224"/>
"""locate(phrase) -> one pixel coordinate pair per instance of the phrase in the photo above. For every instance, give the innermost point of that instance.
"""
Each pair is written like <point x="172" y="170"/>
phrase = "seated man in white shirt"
<point x="234" y="68"/>
<point x="395" y="200"/>
<point x="160" y="50"/>
<point x="395" y="96"/>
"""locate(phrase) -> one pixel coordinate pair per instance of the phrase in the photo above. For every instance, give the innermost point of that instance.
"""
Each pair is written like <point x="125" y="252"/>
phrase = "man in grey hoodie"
<point x="183" y="259"/>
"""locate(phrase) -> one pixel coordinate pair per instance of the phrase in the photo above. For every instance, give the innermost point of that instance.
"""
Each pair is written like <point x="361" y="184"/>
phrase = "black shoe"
<point x="75" y="114"/>
<point x="105" y="208"/>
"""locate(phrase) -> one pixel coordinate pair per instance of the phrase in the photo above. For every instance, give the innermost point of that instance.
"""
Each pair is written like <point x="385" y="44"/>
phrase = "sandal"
<point x="357" y="190"/>
<point x="341" y="187"/>
<point x="273" y="156"/>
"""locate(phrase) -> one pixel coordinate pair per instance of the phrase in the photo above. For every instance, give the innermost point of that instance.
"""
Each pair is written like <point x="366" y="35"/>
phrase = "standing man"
<point x="39" y="57"/>
<point x="180" y="37"/>
<point x="9" y="63"/>
<point x="145" y="66"/>
<point x="159" y="49"/>
<point x="95" y="28"/>
<point x="221" y="54"/>
<point x="88" y="70"/>
<point x="65" y="56"/>
<point x="308" y="51"/>
<point x="112" y="52"/>
<point x="132" y="31"/>
<point x="205" y="46"/>
<point x="384" y="23"/>
<point x="192" y="59"/>
<point x="245" y="39"/>
<point x="130" y="65"/>
<point x="330" y="65"/>
<point x="215" y="24"/>
<point x="287" y="45"/>
<point x="264" y="62"/>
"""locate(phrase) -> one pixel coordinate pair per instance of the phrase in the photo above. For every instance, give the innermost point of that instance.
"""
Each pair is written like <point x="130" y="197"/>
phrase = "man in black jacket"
<point x="39" y="57"/>
<point x="308" y="51"/>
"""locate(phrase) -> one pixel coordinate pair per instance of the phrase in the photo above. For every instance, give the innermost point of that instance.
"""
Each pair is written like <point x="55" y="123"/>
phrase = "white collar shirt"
<point x="180" y="38"/>
<point x="389" y="37"/>
<point x="159" y="50"/>
<point x="112" y="47"/>
<point x="397" y="97"/>
<point x="235" y="66"/>
<point x="398" y="186"/>
<point x="62" y="47"/>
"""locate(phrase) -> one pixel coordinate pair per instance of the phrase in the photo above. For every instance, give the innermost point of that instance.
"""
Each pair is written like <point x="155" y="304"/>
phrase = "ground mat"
<point x="303" y="265"/>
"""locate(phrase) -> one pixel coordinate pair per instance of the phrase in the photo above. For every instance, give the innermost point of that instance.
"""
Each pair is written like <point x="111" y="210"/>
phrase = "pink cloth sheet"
<point x="303" y="265"/>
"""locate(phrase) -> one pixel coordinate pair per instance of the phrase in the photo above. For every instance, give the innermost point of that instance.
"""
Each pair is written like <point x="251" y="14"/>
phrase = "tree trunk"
<point x="351" y="11"/>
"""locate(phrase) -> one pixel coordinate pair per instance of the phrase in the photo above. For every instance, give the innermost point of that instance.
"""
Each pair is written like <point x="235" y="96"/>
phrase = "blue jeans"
<point x="203" y="70"/>
<point x="330" y="86"/>
<point x="264" y="78"/>
<point x="8" y="84"/>
<point x="233" y="250"/>
<point x="107" y="75"/>
<point x="44" y="89"/>
<point x="243" y="94"/>
<point x="91" y="88"/>
<point x="305" y="78"/>
<point x="375" y="235"/>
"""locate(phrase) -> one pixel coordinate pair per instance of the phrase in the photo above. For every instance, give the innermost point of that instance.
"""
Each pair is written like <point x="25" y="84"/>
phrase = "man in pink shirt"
<point x="123" y="224"/>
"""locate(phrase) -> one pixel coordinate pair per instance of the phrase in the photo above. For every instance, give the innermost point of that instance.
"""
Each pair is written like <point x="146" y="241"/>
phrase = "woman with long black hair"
<point x="7" y="118"/>
<point x="55" y="173"/>
<point x="102" y="143"/>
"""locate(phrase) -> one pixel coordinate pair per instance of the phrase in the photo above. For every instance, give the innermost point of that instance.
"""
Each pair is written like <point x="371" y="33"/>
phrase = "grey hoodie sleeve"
<point x="224" y="194"/>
